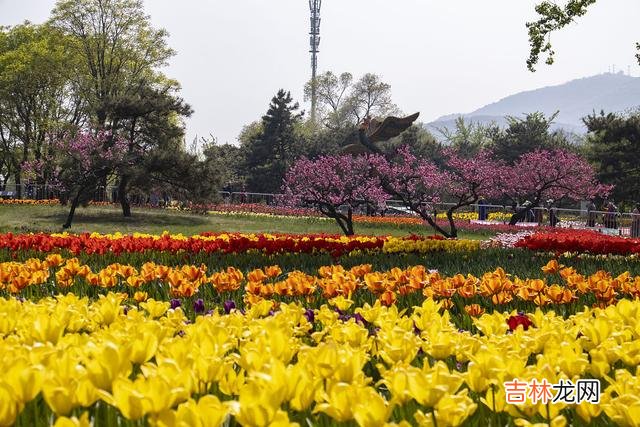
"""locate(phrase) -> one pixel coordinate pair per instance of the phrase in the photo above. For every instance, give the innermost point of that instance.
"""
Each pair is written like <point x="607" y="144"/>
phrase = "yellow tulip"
<point x="398" y="345"/>
<point x="256" y="406"/>
<point x="155" y="308"/>
<point x="144" y="343"/>
<point x="303" y="387"/>
<point x="106" y="363"/>
<point x="129" y="400"/>
<point x="59" y="399"/>
<point x="83" y="421"/>
<point x="370" y="409"/>
<point x="453" y="409"/>
<point x="587" y="411"/>
<point x="338" y="401"/>
<point x="107" y="308"/>
<point x="9" y="407"/>
<point x="624" y="410"/>
<point x="48" y="328"/>
<point x="24" y="379"/>
<point x="341" y="303"/>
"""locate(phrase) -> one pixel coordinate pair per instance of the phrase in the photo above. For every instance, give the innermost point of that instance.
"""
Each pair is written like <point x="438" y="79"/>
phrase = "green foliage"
<point x="331" y="92"/>
<point x="36" y="98"/>
<point x="122" y="88"/>
<point x="270" y="152"/>
<point x="151" y="120"/>
<point x="227" y="159"/>
<point x="613" y="146"/>
<point x="118" y="46"/>
<point x="369" y="96"/>
<point x="553" y="17"/>
<point x="468" y="137"/>
<point x="524" y="135"/>
<point x="343" y="102"/>
<point x="420" y="141"/>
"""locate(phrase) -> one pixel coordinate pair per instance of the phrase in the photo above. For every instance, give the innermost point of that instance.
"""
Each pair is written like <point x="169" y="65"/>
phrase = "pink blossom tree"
<point x="420" y="183"/>
<point x="551" y="174"/>
<point x="479" y="176"/>
<point x="83" y="162"/>
<point x="335" y="185"/>
<point x="417" y="183"/>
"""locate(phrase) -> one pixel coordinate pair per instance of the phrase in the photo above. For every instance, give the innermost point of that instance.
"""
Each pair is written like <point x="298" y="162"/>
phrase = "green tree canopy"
<point x="524" y="135"/>
<point x="119" y="49"/>
<point x="554" y="17"/>
<point x="271" y="152"/>
<point x="613" y="146"/>
<point x="37" y="101"/>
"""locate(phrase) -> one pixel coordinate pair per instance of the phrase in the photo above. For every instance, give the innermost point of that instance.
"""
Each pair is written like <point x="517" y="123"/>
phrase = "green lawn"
<point x="109" y="219"/>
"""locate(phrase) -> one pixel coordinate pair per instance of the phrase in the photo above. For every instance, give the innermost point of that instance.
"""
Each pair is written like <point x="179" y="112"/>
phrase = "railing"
<point x="613" y="223"/>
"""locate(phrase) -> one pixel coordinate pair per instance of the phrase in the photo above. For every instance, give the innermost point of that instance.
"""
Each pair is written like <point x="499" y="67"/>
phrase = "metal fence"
<point x="605" y="222"/>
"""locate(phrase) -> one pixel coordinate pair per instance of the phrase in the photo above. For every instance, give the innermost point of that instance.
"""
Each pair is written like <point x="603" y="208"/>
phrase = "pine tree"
<point x="271" y="152"/>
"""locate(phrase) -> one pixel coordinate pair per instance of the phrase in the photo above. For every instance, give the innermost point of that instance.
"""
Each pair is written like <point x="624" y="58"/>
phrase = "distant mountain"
<point x="574" y="100"/>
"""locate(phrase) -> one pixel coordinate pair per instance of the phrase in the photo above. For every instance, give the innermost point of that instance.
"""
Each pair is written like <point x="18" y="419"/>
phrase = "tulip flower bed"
<point x="213" y="330"/>
<point x="261" y="209"/>
<point x="30" y="202"/>
<point x="581" y="241"/>
<point x="228" y="243"/>
<point x="564" y="289"/>
<point x="71" y="361"/>
<point x="463" y="220"/>
<point x="42" y="202"/>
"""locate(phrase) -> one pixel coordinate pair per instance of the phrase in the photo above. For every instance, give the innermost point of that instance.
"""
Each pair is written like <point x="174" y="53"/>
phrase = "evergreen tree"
<point x="526" y="135"/>
<point x="613" y="146"/>
<point x="270" y="153"/>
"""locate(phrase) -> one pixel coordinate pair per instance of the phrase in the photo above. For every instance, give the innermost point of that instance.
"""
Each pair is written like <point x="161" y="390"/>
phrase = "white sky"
<point x="440" y="56"/>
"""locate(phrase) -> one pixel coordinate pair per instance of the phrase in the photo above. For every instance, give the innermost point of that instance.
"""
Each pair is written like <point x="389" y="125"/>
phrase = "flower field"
<point x="228" y="243"/>
<point x="72" y="360"/>
<point x="568" y="240"/>
<point x="277" y="330"/>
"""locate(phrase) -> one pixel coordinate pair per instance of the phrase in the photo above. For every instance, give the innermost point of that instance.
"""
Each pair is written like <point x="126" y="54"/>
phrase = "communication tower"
<point x="314" y="41"/>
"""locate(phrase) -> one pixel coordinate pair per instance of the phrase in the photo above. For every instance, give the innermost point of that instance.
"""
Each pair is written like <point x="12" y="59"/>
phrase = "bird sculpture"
<point x="371" y="131"/>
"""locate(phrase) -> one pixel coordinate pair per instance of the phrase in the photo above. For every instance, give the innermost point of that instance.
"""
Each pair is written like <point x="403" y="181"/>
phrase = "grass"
<point x="20" y="219"/>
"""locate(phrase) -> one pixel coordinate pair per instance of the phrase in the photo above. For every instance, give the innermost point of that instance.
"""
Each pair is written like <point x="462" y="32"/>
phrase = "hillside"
<point x="574" y="100"/>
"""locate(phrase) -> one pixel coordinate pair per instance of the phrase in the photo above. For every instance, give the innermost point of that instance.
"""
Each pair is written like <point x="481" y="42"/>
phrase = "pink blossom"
<point x="335" y="181"/>
<point x="557" y="174"/>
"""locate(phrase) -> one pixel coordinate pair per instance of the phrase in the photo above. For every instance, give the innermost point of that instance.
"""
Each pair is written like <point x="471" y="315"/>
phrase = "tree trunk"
<point x="349" y="223"/>
<point x="518" y="216"/>
<point x="122" y="195"/>
<point x="72" y="211"/>
<point x="452" y="225"/>
<point x="345" y="224"/>
<point x="18" y="185"/>
<point x="436" y="227"/>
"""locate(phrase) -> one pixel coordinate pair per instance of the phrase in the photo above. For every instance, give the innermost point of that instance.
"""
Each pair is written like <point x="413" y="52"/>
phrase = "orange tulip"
<point x="552" y="267"/>
<point x="559" y="295"/>
<point x="490" y="286"/>
<point x="273" y="271"/>
<point x="388" y="298"/>
<point x="140" y="296"/>
<point x="256" y="275"/>
<point x="474" y="310"/>
<point x="501" y="298"/>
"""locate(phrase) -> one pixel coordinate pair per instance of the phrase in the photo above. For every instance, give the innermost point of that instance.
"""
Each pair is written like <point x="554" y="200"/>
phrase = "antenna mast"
<point x="314" y="40"/>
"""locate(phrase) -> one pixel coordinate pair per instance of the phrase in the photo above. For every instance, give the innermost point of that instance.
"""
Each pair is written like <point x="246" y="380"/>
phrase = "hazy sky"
<point x="440" y="56"/>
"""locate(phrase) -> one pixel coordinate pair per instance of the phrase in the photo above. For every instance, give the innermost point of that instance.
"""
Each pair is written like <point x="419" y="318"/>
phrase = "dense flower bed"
<point x="228" y="243"/>
<point x="74" y="361"/>
<point x="569" y="240"/>
<point x="280" y="211"/>
<point x="474" y="295"/>
<point x="44" y="202"/>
